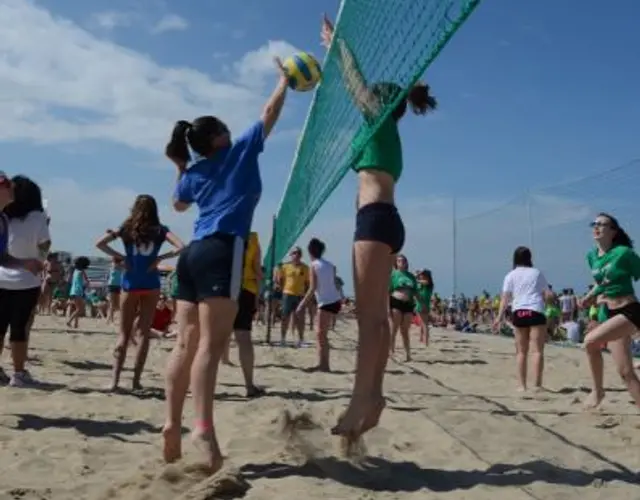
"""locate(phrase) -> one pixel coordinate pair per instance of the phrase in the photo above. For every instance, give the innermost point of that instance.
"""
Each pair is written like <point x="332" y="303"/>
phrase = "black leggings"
<point x="16" y="308"/>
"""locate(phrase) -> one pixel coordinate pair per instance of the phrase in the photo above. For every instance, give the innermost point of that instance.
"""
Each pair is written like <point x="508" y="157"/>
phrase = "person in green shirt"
<point x="424" y="292"/>
<point x="614" y="266"/>
<point x="403" y="288"/>
<point x="379" y="230"/>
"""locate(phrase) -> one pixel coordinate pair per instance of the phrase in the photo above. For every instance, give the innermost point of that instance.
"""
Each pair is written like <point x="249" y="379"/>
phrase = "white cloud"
<point x="65" y="85"/>
<point x="170" y="22"/>
<point x="256" y="66"/>
<point x="112" y="19"/>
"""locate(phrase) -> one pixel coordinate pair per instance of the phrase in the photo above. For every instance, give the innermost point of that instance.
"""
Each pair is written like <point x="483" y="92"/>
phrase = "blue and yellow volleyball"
<point x="303" y="71"/>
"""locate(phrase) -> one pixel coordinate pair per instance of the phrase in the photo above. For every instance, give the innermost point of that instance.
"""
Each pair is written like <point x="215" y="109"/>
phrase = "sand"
<point x="454" y="427"/>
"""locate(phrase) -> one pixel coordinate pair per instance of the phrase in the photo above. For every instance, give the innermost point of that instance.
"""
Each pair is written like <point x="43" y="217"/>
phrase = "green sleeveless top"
<point x="383" y="152"/>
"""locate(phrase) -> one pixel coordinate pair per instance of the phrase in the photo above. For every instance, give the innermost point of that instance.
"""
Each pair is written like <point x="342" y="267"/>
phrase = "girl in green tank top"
<point x="614" y="266"/>
<point x="379" y="229"/>
<point x="423" y="302"/>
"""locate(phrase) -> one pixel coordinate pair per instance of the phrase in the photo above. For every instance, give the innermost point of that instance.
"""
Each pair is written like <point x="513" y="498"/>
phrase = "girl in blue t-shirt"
<point x="142" y="235"/>
<point x="222" y="178"/>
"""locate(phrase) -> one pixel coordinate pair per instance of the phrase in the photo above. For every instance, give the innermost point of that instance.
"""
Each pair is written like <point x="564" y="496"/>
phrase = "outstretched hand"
<point x="326" y="31"/>
<point x="281" y="69"/>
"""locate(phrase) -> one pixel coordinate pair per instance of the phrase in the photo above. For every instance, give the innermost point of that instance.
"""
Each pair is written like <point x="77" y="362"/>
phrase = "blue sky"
<point x="531" y="94"/>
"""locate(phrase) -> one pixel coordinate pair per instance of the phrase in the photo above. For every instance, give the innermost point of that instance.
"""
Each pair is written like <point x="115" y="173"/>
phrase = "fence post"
<point x="454" y="238"/>
<point x="272" y="265"/>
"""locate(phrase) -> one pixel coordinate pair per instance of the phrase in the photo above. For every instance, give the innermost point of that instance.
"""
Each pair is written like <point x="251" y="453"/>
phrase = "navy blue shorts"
<point x="380" y="222"/>
<point x="211" y="267"/>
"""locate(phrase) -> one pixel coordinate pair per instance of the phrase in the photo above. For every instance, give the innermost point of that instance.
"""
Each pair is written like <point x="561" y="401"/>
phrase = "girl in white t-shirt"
<point x="526" y="290"/>
<point x="28" y="242"/>
<point x="322" y="287"/>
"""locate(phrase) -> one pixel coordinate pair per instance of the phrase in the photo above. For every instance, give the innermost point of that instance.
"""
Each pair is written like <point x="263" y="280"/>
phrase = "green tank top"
<point x="423" y="297"/>
<point x="403" y="280"/>
<point x="614" y="271"/>
<point x="383" y="152"/>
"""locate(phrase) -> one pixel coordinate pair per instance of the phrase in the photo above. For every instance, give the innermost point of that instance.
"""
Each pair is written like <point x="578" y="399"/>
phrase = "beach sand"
<point x="454" y="427"/>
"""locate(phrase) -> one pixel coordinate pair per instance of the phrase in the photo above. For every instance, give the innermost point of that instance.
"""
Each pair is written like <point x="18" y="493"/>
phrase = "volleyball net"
<point x="393" y="41"/>
<point x="553" y="222"/>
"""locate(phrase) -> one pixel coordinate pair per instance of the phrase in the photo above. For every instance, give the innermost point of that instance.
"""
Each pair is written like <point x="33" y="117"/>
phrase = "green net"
<point x="393" y="41"/>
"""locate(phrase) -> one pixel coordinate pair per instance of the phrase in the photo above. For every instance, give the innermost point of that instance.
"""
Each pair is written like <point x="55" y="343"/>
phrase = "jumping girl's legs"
<point x="372" y="271"/>
<point x="179" y="375"/>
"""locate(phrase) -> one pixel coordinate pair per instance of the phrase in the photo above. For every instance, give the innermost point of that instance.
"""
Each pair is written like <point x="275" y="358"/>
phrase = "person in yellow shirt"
<point x="294" y="281"/>
<point x="247" y="307"/>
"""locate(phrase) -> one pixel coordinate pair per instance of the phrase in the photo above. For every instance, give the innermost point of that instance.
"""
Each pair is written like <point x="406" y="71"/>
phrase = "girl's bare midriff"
<point x="617" y="302"/>
<point x="403" y="294"/>
<point x="374" y="186"/>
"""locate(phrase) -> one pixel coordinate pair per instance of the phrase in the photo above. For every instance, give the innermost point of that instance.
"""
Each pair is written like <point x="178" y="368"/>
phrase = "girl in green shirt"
<point x="403" y="288"/>
<point x="379" y="229"/>
<point x="423" y="302"/>
<point x="614" y="266"/>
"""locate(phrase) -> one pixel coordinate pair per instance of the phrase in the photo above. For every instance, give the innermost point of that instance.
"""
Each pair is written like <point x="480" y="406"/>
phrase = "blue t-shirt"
<point x="138" y="260"/>
<point x="226" y="187"/>
<point x="4" y="234"/>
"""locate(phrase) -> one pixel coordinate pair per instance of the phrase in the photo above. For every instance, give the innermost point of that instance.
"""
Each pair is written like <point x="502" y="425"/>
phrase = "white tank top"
<point x="326" y="290"/>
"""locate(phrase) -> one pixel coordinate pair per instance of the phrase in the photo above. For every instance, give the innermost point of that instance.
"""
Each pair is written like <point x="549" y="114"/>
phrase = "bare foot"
<point x="171" y="443"/>
<point x="594" y="400"/>
<point x="362" y="415"/>
<point x="207" y="445"/>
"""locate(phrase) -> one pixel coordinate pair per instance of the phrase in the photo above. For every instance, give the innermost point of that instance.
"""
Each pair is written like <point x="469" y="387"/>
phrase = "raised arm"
<point x="355" y="82"/>
<point x="273" y="107"/>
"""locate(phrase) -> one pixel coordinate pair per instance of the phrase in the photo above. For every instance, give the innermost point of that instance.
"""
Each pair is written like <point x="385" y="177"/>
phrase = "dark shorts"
<point x="523" y="318"/>
<point x="630" y="311"/>
<point x="404" y="306"/>
<point x="333" y="308"/>
<point x="277" y="295"/>
<point x="380" y="222"/>
<point x="290" y="303"/>
<point x="16" y="308"/>
<point x="113" y="289"/>
<point x="246" y="311"/>
<point x="210" y="268"/>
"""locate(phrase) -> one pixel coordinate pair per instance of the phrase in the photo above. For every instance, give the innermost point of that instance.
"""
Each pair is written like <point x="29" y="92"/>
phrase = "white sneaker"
<point x="21" y="379"/>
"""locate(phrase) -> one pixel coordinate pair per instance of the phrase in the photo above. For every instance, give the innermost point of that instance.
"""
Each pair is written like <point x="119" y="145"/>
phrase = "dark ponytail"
<point x="621" y="238"/>
<point x="177" y="148"/>
<point x="420" y="100"/>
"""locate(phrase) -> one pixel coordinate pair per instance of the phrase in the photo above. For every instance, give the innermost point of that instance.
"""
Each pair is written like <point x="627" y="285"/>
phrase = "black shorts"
<point x="209" y="268"/>
<point x="277" y="295"/>
<point x="404" y="306"/>
<point x="113" y="289"/>
<point x="523" y="318"/>
<point x="380" y="222"/>
<point x="246" y="311"/>
<point x="333" y="307"/>
<point x="630" y="311"/>
<point x="290" y="303"/>
<point x="16" y="308"/>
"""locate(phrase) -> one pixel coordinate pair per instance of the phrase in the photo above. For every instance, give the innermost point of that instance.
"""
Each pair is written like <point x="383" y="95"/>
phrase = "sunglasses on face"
<point x="598" y="224"/>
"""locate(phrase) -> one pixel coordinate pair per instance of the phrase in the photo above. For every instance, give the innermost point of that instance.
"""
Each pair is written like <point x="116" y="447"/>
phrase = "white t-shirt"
<point x="326" y="290"/>
<point x="526" y="286"/>
<point x="24" y="237"/>
<point x="573" y="331"/>
<point x="566" y="303"/>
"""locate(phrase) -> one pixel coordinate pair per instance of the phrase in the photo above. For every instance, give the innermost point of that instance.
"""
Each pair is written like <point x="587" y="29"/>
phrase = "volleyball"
<point x="303" y="71"/>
